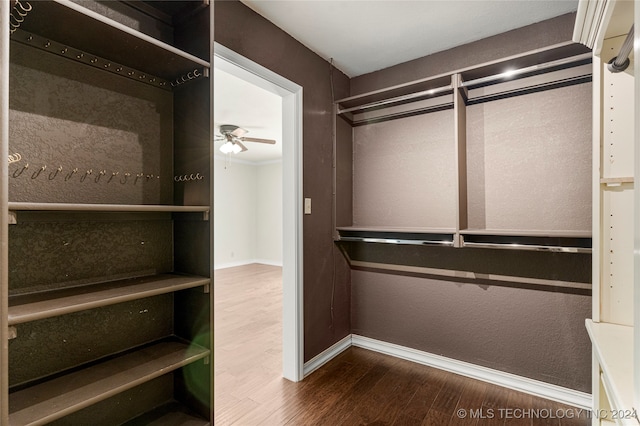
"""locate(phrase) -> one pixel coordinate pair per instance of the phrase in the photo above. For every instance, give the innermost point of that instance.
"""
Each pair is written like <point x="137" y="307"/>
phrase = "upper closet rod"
<point x="539" y="68"/>
<point x="398" y="99"/>
<point x="621" y="62"/>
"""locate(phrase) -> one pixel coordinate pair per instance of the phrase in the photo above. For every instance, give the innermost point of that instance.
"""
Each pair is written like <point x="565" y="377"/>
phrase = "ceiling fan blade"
<point x="244" y="148"/>
<point x="269" y="141"/>
<point x="239" y="132"/>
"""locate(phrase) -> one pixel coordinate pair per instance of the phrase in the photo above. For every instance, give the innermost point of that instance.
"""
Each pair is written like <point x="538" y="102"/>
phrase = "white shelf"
<point x="56" y="398"/>
<point x="613" y="346"/>
<point x="32" y="307"/>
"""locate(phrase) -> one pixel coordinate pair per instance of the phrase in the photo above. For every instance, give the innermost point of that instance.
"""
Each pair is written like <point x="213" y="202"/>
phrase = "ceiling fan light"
<point x="236" y="148"/>
<point x="227" y="148"/>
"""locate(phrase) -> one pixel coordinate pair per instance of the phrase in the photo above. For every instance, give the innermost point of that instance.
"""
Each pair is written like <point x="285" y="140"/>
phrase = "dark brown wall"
<point x="520" y="40"/>
<point x="533" y="332"/>
<point x="247" y="33"/>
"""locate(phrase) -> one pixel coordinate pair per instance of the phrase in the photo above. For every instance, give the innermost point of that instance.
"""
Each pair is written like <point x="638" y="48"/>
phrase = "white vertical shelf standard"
<point x="603" y="26"/>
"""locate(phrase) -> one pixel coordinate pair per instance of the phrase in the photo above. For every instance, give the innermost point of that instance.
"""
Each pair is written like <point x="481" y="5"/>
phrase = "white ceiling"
<point x="252" y="108"/>
<point x="363" y="36"/>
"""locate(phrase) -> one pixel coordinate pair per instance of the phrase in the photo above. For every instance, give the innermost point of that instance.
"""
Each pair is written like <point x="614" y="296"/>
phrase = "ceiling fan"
<point x="234" y="136"/>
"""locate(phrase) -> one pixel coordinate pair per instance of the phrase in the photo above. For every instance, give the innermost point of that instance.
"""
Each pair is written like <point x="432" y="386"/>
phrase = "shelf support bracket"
<point x="206" y="289"/>
<point x="205" y="215"/>
<point x="13" y="218"/>
<point x="13" y="333"/>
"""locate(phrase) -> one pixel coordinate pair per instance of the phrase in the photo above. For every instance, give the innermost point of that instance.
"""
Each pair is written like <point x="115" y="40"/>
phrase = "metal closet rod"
<point x="398" y="99"/>
<point x="621" y="61"/>
<point x="396" y="241"/>
<point x="539" y="68"/>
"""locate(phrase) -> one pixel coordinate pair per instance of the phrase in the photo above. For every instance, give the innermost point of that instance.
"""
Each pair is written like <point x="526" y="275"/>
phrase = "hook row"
<point x="17" y="15"/>
<point x="189" y="177"/>
<point x="75" y="173"/>
<point x="14" y="158"/>
<point x="86" y="58"/>
<point x="191" y="75"/>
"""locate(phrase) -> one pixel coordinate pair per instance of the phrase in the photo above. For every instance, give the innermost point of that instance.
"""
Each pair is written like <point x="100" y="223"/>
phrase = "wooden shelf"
<point x="19" y="206"/>
<point x="170" y="414"/>
<point x="527" y="59"/>
<point x="36" y="306"/>
<point x="410" y="236"/>
<point x="98" y="35"/>
<point x="532" y="240"/>
<point x="613" y="347"/>
<point x="528" y="233"/>
<point x="397" y="229"/>
<point x="64" y="395"/>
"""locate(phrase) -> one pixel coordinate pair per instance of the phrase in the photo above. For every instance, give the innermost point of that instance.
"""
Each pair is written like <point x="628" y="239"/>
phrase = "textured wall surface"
<point x="69" y="115"/>
<point x="530" y="168"/>
<point x="85" y="252"/>
<point x="404" y="174"/>
<point x="54" y="344"/>
<point x="531" y="333"/>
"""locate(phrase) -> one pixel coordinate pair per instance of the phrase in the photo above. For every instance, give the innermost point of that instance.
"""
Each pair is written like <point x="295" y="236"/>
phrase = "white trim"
<point x="500" y="378"/>
<point x="268" y="262"/>
<point x="327" y="355"/>
<point x="246" y="262"/>
<point x="292" y="270"/>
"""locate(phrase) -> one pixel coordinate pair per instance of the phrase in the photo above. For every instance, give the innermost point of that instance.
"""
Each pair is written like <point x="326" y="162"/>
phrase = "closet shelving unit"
<point x="366" y="217"/>
<point x="122" y="335"/>
<point x="614" y="328"/>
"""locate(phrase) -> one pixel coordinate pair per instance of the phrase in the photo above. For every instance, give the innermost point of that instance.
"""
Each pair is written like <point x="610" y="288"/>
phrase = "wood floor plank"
<point x="342" y="407"/>
<point x="436" y="418"/>
<point x="449" y="394"/>
<point x="422" y="400"/>
<point x="469" y="408"/>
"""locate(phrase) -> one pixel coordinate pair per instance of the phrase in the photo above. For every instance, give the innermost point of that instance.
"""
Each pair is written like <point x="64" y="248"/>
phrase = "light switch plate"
<point x="307" y="206"/>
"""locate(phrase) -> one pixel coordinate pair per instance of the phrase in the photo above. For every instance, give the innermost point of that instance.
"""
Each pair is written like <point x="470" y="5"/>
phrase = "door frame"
<point x="292" y="199"/>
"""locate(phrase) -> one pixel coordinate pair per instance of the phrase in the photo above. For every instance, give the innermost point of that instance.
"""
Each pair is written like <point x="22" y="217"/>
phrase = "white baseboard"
<point x="325" y="356"/>
<point x="500" y="378"/>
<point x="246" y="262"/>
<point x="268" y="262"/>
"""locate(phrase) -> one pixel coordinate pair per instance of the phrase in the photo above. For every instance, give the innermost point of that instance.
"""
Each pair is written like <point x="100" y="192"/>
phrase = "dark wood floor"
<point x="359" y="387"/>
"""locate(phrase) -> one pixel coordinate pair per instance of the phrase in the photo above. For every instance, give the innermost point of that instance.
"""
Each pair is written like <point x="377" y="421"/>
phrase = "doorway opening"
<point x="290" y="93"/>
